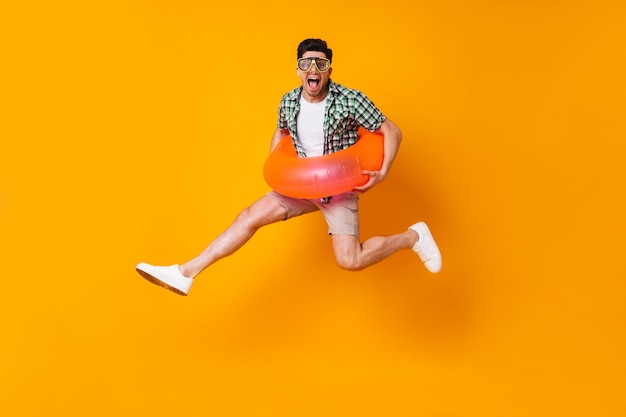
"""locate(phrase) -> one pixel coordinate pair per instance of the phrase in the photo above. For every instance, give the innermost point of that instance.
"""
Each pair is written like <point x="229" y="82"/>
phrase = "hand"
<point x="376" y="177"/>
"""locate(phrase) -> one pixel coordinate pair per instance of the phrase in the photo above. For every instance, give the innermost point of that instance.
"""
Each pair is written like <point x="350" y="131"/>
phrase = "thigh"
<point x="263" y="211"/>
<point x="293" y="206"/>
<point x="346" y="247"/>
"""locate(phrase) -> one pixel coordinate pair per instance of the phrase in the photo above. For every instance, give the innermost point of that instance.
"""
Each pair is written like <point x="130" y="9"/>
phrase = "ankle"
<point x="187" y="273"/>
<point x="414" y="237"/>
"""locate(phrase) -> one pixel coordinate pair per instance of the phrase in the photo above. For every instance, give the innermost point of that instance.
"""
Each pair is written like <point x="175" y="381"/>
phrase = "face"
<point x="314" y="81"/>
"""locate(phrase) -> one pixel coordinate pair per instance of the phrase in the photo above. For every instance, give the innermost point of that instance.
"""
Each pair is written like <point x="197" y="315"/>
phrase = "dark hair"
<point x="316" y="45"/>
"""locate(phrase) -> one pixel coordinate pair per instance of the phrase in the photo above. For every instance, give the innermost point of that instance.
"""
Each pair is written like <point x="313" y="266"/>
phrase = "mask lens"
<point x="304" y="64"/>
<point x="322" y="64"/>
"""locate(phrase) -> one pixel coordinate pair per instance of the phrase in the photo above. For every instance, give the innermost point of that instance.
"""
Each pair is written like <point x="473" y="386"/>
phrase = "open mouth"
<point x="313" y="82"/>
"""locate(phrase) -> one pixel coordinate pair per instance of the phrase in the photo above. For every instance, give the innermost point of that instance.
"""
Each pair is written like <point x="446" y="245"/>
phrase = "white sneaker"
<point x="168" y="277"/>
<point x="426" y="248"/>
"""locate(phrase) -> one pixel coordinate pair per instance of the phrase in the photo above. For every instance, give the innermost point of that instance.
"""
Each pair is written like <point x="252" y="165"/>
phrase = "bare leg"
<point x="262" y="212"/>
<point x="353" y="255"/>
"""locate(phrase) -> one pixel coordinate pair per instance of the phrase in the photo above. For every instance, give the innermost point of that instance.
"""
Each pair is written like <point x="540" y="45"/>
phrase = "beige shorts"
<point x="341" y="212"/>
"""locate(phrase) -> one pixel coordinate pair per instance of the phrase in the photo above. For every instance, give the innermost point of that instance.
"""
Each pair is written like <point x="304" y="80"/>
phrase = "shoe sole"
<point x="160" y="283"/>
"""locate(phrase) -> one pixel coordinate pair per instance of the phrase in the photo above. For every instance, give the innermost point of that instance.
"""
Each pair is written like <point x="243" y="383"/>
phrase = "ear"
<point x="330" y="71"/>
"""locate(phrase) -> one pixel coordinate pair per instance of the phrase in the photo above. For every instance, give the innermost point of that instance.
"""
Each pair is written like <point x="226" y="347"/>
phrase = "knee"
<point x="246" y="219"/>
<point x="348" y="262"/>
<point x="244" y="215"/>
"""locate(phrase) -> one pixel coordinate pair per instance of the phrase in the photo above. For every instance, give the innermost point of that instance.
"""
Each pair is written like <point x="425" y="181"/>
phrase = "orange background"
<point x="136" y="130"/>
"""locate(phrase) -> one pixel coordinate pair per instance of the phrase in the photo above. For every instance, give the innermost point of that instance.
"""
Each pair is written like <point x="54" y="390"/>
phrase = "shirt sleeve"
<point x="367" y="114"/>
<point x="282" y="116"/>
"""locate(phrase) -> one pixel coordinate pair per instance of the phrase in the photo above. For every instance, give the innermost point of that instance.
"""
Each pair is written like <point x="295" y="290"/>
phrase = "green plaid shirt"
<point x="346" y="110"/>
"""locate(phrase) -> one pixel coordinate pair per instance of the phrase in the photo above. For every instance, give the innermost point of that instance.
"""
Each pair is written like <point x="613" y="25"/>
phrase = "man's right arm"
<point x="278" y="135"/>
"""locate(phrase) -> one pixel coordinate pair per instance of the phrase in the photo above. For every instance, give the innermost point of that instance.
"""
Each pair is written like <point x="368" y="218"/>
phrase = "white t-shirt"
<point x="311" y="126"/>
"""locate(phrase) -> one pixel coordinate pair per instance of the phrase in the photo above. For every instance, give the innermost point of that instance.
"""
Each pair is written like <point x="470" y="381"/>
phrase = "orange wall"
<point x="135" y="131"/>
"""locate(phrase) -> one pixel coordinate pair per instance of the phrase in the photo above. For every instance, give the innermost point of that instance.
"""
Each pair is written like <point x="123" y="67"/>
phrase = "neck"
<point x="316" y="98"/>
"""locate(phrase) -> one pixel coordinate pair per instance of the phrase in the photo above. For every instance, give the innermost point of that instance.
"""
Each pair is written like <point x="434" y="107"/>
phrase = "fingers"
<point x="369" y="184"/>
<point x="375" y="177"/>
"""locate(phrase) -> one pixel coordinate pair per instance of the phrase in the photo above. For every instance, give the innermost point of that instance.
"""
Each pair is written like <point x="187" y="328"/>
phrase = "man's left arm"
<point x="393" y="137"/>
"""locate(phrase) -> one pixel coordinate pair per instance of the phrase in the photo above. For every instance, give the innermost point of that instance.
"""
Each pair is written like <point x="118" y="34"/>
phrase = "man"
<point x="322" y="117"/>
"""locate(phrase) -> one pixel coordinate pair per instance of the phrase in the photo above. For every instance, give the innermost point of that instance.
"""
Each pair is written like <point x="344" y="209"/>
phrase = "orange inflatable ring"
<point x="322" y="176"/>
